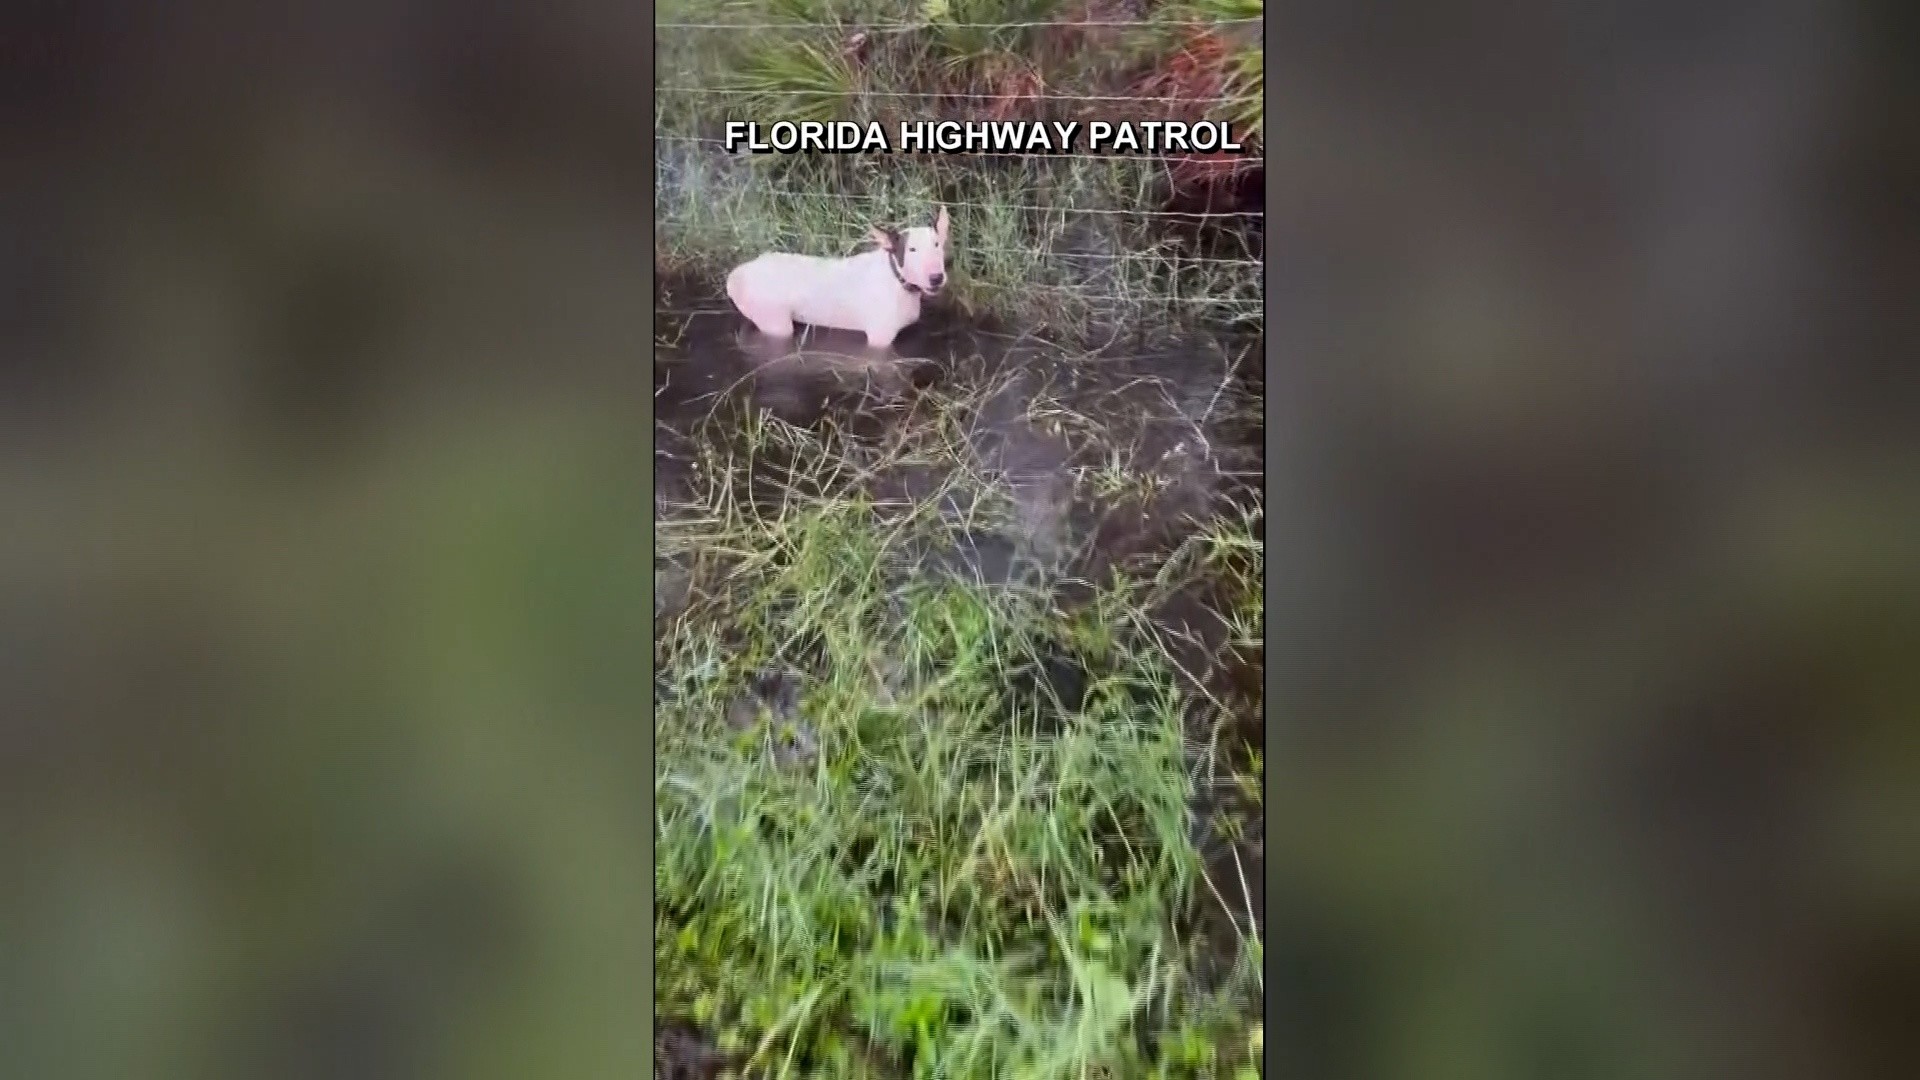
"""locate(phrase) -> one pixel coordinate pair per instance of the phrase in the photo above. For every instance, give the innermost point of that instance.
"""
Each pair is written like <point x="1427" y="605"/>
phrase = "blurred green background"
<point x="1595" y="601"/>
<point x="325" y="566"/>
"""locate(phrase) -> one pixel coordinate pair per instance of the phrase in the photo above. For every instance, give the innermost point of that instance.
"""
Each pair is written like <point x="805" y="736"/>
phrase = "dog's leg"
<point x="766" y="317"/>
<point x="764" y="349"/>
<point x="772" y="322"/>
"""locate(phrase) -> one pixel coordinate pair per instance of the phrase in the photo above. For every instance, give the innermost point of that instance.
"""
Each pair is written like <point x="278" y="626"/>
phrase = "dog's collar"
<point x="912" y="289"/>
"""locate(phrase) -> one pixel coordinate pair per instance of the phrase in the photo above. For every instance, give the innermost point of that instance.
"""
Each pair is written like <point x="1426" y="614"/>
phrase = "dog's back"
<point x="779" y="287"/>
<point x="779" y="277"/>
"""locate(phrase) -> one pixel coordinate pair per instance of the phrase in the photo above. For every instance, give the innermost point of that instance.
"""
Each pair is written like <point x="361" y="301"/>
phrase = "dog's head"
<point x="919" y="254"/>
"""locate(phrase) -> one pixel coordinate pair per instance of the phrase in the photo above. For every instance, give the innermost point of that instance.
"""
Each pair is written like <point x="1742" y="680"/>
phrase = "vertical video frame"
<point x="959" y="562"/>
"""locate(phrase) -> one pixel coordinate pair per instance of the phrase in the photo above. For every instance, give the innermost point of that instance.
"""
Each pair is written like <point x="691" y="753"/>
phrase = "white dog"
<point x="876" y="292"/>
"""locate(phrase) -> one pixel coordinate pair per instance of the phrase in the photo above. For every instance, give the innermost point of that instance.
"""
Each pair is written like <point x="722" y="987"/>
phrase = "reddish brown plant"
<point x="1186" y="85"/>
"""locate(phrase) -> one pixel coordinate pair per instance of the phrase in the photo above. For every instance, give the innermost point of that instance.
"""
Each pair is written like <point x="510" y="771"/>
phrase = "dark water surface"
<point x="1182" y="420"/>
<point x="1184" y="416"/>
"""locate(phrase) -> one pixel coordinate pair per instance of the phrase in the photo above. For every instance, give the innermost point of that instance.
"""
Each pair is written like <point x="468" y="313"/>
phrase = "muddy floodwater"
<point x="1109" y="458"/>
<point x="1182" y="417"/>
<point x="1178" y="428"/>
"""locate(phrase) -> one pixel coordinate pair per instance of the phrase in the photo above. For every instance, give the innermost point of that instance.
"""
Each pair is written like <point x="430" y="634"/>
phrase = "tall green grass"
<point x="918" y="823"/>
<point x="1072" y="245"/>
<point x="1042" y="262"/>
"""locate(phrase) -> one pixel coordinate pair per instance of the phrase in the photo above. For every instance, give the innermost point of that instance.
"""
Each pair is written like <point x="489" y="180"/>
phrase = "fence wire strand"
<point x="906" y="27"/>
<point x="1164" y="161"/>
<point x="1173" y="259"/>
<point x="729" y="91"/>
<point x="838" y="196"/>
<point x="1245" y="303"/>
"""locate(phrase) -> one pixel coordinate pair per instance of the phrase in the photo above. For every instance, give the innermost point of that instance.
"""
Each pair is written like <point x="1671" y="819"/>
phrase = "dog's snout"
<point x="936" y="279"/>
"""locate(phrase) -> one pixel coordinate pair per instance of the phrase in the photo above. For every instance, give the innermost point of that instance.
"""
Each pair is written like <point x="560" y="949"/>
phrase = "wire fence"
<point x="911" y="27"/>
<point x="1088" y="230"/>
<point x="1157" y="161"/>
<point x="934" y="95"/>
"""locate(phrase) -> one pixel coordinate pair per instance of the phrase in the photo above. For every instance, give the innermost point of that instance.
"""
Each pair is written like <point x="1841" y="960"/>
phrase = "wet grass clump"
<point x="1023" y="250"/>
<point x="917" y="821"/>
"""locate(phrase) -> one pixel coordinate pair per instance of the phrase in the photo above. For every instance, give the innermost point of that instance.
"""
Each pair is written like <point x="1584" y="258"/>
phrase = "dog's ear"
<point x="882" y="237"/>
<point x="940" y="225"/>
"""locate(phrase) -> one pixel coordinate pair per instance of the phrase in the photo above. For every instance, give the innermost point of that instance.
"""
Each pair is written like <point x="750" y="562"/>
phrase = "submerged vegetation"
<point x="1061" y="244"/>
<point x="919" y="816"/>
